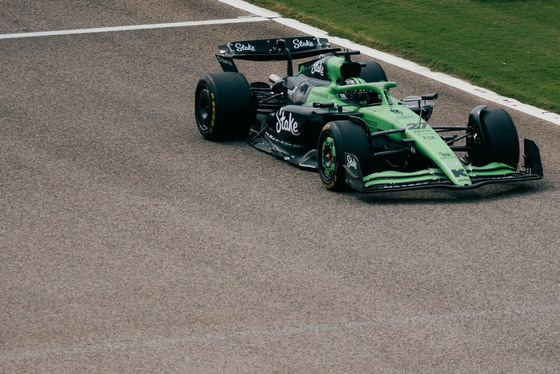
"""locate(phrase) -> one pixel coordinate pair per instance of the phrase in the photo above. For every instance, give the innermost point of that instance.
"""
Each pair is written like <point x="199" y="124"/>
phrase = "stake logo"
<point x="352" y="166"/>
<point x="302" y="43"/>
<point x="244" y="47"/>
<point x="351" y="162"/>
<point x="318" y="68"/>
<point x="286" y="124"/>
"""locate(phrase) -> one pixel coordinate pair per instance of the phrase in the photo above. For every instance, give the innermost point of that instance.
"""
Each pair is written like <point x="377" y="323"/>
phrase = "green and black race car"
<point x="339" y="117"/>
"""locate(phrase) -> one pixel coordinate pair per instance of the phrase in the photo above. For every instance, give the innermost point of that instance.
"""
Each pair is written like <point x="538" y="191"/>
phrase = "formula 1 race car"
<point x="338" y="116"/>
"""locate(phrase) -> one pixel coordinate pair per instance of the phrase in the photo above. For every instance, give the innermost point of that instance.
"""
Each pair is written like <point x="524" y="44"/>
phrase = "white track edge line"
<point x="132" y="27"/>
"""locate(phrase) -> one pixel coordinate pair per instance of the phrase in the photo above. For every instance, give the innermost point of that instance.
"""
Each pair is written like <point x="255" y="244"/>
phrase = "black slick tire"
<point x="224" y="107"/>
<point x="498" y="139"/>
<point x="373" y="72"/>
<point x="338" y="142"/>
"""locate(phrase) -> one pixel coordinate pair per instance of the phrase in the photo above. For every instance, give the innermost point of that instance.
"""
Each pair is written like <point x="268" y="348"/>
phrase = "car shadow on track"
<point x="442" y="196"/>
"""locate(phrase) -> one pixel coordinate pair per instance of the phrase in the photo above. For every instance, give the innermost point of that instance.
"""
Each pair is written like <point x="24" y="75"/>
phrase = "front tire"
<point x="224" y="106"/>
<point x="496" y="138"/>
<point x="336" y="142"/>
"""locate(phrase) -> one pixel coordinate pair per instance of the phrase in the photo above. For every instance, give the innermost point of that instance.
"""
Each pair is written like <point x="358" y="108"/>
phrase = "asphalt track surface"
<point x="130" y="244"/>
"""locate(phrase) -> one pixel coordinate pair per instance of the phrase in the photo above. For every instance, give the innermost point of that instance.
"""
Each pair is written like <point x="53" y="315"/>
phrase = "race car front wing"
<point x="389" y="180"/>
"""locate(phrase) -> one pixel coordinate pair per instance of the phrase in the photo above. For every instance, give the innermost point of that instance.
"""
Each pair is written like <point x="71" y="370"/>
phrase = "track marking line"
<point x="132" y="27"/>
<point x="158" y="343"/>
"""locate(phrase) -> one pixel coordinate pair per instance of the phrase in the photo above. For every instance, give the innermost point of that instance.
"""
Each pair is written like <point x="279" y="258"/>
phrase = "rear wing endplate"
<point x="284" y="49"/>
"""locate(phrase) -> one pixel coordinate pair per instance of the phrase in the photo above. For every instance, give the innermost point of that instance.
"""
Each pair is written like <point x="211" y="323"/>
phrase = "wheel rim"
<point x="204" y="109"/>
<point x="328" y="158"/>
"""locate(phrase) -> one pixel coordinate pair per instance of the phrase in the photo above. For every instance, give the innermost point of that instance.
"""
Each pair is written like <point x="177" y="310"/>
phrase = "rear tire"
<point x="373" y="72"/>
<point x="224" y="107"/>
<point x="335" y="141"/>
<point x="497" y="139"/>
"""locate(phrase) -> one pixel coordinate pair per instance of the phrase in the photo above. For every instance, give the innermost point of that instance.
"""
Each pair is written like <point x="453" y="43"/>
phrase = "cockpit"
<point x="360" y="97"/>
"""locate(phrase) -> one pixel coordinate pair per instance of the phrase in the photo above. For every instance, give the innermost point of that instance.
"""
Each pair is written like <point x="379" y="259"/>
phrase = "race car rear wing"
<point x="284" y="49"/>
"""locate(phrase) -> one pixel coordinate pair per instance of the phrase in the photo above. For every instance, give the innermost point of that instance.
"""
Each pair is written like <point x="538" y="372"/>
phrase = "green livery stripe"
<point x="494" y="169"/>
<point x="386" y="177"/>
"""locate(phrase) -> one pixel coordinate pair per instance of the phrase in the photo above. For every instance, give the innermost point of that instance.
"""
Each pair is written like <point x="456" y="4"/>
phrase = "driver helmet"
<point x="362" y="96"/>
